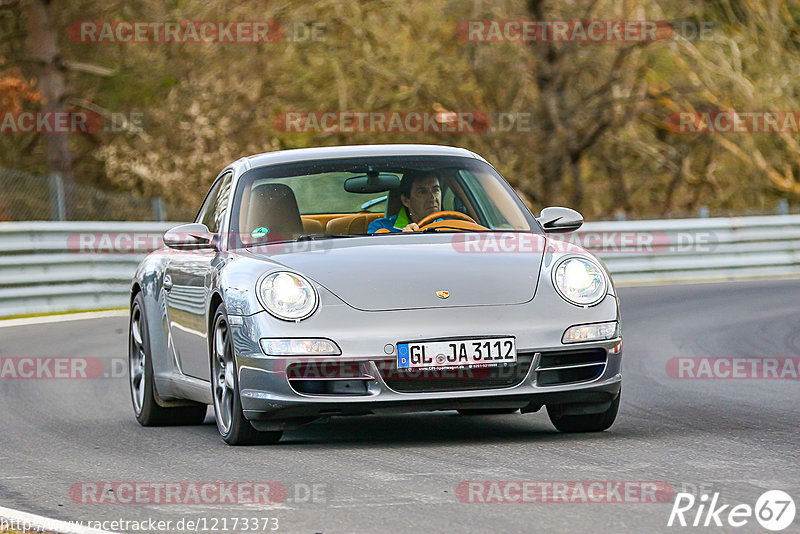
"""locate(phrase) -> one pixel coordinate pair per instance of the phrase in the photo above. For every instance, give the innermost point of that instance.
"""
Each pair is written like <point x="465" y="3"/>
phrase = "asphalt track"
<point x="400" y="473"/>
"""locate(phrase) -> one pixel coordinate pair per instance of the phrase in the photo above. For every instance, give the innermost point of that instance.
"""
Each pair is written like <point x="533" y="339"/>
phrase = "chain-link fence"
<point x="27" y="197"/>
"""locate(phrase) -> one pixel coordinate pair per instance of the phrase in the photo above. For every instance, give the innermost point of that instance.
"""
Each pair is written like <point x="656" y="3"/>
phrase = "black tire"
<point x="234" y="428"/>
<point x="488" y="411"/>
<point x="596" y="422"/>
<point x="140" y="378"/>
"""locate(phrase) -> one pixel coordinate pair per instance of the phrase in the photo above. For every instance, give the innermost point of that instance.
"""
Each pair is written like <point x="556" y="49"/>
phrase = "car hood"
<point x="404" y="272"/>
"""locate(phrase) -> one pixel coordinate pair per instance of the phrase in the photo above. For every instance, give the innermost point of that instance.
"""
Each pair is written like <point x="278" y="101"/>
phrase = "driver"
<point x="421" y="195"/>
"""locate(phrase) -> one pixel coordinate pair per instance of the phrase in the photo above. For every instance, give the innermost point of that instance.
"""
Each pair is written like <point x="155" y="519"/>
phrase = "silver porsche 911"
<point x="370" y="279"/>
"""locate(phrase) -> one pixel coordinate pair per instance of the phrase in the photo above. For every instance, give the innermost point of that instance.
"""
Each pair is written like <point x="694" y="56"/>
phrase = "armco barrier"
<point x="42" y="268"/>
<point x="41" y="271"/>
<point x="704" y="249"/>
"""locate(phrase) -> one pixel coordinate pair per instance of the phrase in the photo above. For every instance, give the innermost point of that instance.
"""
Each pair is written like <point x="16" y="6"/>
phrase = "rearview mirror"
<point x="559" y="220"/>
<point x="371" y="183"/>
<point x="191" y="236"/>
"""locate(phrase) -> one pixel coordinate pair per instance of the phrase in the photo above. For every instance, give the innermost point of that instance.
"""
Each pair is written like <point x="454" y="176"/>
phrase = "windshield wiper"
<point x="312" y="237"/>
<point x="304" y="237"/>
<point x="439" y="229"/>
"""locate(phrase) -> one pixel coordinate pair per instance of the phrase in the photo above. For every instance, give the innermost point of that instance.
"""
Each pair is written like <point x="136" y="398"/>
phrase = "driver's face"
<point x="425" y="198"/>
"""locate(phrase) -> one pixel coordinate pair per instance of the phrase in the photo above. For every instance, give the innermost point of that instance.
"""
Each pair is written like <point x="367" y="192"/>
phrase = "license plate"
<point x="485" y="352"/>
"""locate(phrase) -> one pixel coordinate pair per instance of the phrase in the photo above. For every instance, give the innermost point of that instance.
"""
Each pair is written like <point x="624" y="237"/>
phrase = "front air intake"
<point x="569" y="367"/>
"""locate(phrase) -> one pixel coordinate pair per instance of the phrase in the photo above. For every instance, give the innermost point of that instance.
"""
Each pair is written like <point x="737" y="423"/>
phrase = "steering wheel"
<point x="425" y="221"/>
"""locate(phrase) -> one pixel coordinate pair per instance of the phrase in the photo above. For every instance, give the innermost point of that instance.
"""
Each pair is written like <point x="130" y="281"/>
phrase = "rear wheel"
<point x="234" y="428"/>
<point x="488" y="411"/>
<point x="143" y="392"/>
<point x="596" y="422"/>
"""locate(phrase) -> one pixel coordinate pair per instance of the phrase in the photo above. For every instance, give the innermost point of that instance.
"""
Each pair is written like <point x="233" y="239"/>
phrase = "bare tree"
<point x="42" y="49"/>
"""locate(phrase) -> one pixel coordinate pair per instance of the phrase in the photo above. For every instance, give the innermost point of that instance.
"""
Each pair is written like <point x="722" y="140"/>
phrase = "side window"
<point x="211" y="200"/>
<point x="447" y="199"/>
<point x="451" y="201"/>
<point x="221" y="205"/>
<point x="483" y="200"/>
<point x="213" y="212"/>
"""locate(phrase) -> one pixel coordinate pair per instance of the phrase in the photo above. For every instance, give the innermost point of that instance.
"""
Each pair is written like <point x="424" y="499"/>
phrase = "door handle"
<point x="167" y="282"/>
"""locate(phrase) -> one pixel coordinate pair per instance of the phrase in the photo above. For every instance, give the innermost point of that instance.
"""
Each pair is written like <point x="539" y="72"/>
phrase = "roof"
<point x="304" y="154"/>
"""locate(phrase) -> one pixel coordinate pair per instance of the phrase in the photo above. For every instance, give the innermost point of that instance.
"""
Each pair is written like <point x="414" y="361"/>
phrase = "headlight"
<point x="287" y="296"/>
<point x="590" y="332"/>
<point x="580" y="281"/>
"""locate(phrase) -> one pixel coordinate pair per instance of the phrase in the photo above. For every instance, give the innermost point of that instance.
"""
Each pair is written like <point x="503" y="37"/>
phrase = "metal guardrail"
<point x="724" y="248"/>
<point x="63" y="266"/>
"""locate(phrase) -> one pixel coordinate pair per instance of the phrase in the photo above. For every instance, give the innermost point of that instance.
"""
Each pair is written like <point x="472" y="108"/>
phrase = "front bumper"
<point x="273" y="413"/>
<point x="271" y="398"/>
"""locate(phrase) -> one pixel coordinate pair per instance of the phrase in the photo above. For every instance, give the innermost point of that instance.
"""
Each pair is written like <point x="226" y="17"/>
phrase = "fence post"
<point x="58" y="206"/>
<point x="783" y="206"/>
<point x="159" y="210"/>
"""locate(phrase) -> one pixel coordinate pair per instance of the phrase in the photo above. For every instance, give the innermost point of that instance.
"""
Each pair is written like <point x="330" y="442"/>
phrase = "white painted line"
<point x="63" y="318"/>
<point x="20" y="520"/>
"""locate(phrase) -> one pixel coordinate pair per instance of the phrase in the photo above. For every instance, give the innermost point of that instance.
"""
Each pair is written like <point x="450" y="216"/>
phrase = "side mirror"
<point x="559" y="220"/>
<point x="191" y="236"/>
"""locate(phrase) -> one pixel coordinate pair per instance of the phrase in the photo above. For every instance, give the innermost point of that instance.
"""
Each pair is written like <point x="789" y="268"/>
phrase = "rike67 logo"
<point x="774" y="510"/>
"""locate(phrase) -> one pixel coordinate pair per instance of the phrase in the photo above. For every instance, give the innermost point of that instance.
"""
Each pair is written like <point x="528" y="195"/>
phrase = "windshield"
<point x="371" y="195"/>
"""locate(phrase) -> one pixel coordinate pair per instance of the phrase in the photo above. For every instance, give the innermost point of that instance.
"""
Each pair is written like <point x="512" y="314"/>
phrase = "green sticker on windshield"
<point x="259" y="232"/>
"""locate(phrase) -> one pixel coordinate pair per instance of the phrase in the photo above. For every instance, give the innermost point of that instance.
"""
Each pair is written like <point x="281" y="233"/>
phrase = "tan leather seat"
<point x="350" y="225"/>
<point x="273" y="206"/>
<point x="312" y="226"/>
<point x="324" y="218"/>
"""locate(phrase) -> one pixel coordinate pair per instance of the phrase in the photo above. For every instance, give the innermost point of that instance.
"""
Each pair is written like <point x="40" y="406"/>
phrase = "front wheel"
<point x="596" y="422"/>
<point x="143" y="391"/>
<point x="234" y="428"/>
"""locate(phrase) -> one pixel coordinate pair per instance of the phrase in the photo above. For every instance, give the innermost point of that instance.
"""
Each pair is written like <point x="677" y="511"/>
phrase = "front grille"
<point x="569" y="367"/>
<point x="461" y="379"/>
